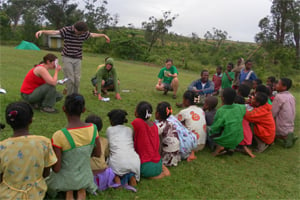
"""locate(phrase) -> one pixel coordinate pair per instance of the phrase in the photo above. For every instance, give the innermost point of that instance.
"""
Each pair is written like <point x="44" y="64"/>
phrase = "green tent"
<point x="27" y="45"/>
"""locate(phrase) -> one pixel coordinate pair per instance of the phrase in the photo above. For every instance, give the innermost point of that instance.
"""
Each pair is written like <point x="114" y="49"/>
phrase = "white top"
<point x="122" y="158"/>
<point x="194" y="120"/>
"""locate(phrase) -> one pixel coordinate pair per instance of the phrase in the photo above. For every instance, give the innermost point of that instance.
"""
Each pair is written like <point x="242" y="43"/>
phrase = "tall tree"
<point x="157" y="28"/>
<point x="61" y="13"/>
<point x="15" y="9"/>
<point x="97" y="16"/>
<point x="281" y="28"/>
<point x="217" y="35"/>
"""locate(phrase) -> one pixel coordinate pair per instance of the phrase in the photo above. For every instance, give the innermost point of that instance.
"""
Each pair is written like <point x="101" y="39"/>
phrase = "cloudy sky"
<point x="238" y="17"/>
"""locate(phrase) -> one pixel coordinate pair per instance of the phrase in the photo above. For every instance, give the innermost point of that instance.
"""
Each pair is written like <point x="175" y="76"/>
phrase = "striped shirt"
<point x="72" y="42"/>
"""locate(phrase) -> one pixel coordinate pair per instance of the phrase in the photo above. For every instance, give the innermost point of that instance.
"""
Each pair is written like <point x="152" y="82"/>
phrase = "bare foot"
<point x="69" y="195"/>
<point x="191" y="157"/>
<point x="218" y="150"/>
<point x="249" y="152"/>
<point x="117" y="180"/>
<point x="132" y="181"/>
<point x="81" y="194"/>
<point x="166" y="171"/>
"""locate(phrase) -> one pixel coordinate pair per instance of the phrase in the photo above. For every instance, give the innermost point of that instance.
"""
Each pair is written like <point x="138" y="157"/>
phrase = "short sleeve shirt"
<point x="163" y="74"/>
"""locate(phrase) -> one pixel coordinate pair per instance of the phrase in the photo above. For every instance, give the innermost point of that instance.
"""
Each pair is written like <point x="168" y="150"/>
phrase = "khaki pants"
<point x="72" y="71"/>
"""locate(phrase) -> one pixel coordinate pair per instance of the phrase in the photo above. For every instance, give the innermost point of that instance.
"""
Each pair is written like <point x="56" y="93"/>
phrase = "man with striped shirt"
<point x="73" y="37"/>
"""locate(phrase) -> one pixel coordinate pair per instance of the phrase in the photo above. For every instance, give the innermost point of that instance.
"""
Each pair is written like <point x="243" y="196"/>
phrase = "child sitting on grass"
<point x="209" y="107"/>
<point x="73" y="146"/>
<point x="123" y="159"/>
<point x="264" y="125"/>
<point x="169" y="140"/>
<point x="146" y="143"/>
<point x="103" y="175"/>
<point x="188" y="140"/>
<point x="227" y="129"/>
<point x="284" y="111"/>
<point x="20" y="177"/>
<point x="248" y="135"/>
<point x="193" y="118"/>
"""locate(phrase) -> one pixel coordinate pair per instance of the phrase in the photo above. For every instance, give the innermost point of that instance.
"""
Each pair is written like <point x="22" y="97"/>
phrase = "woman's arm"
<point x="44" y="74"/>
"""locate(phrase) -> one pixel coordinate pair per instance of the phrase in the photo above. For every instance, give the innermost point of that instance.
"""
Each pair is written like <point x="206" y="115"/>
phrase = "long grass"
<point x="273" y="174"/>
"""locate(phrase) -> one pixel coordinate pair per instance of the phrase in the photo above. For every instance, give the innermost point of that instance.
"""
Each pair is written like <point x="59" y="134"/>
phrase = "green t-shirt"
<point x="163" y="74"/>
<point x="228" y="123"/>
<point x="226" y="83"/>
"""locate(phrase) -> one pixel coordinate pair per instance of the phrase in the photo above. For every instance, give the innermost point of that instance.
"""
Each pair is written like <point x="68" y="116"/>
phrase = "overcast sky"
<point x="238" y="17"/>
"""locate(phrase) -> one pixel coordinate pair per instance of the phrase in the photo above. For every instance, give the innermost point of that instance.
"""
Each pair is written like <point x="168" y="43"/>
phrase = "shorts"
<point x="151" y="169"/>
<point x="168" y="86"/>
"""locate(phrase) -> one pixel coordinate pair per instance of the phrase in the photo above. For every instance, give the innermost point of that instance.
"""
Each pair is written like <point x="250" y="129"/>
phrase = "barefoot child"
<point x="227" y="129"/>
<point x="188" y="140"/>
<point x="193" y="118"/>
<point x="170" y="145"/>
<point x="146" y="143"/>
<point x="123" y="159"/>
<point x="73" y="146"/>
<point x="264" y="125"/>
<point x="103" y="175"/>
<point x="284" y="111"/>
<point x="248" y="135"/>
<point x="20" y="177"/>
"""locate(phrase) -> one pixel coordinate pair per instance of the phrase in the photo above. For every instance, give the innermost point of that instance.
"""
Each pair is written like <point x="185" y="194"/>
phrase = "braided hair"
<point x="18" y="115"/>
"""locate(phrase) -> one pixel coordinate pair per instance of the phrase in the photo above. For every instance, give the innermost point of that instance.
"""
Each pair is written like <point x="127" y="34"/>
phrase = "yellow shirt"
<point x="81" y="135"/>
<point x="100" y="163"/>
<point x="22" y="162"/>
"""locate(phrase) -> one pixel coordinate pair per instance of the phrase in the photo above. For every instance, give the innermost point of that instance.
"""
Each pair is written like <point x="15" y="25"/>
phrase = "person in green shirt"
<point x="227" y="129"/>
<point x="227" y="77"/>
<point x="167" y="79"/>
<point x="107" y="79"/>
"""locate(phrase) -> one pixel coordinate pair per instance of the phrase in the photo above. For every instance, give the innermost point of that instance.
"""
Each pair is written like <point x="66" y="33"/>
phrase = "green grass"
<point x="271" y="175"/>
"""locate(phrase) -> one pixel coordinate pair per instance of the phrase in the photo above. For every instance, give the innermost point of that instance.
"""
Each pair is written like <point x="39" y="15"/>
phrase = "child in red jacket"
<point x="261" y="117"/>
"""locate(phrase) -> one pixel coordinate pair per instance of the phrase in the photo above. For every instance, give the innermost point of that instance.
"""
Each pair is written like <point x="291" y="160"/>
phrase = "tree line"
<point x="277" y="44"/>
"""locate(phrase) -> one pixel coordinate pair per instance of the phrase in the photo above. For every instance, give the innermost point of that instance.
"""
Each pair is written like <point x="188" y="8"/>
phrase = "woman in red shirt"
<point x="39" y="87"/>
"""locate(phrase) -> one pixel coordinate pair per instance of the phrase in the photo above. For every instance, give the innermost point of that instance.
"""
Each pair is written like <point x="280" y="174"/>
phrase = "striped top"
<point x="72" y="42"/>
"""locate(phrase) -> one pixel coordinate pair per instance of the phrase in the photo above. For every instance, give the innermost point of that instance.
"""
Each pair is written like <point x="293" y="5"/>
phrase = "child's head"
<point x="263" y="89"/>
<point x="117" y="117"/>
<point x="143" y="110"/>
<point x="74" y="105"/>
<point x="244" y="90"/>
<point x="229" y="67"/>
<point x="19" y="115"/>
<point x="219" y="69"/>
<point x="95" y="119"/>
<point x="163" y="111"/>
<point x="228" y="96"/>
<point x="284" y="84"/>
<point x="190" y="98"/>
<point x="248" y="82"/>
<point x="271" y="80"/>
<point x="239" y="99"/>
<point x="259" y="99"/>
<point x="255" y="83"/>
<point x="210" y="103"/>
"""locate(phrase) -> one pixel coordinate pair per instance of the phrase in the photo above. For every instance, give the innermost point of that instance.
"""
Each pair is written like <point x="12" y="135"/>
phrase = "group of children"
<point x="82" y="161"/>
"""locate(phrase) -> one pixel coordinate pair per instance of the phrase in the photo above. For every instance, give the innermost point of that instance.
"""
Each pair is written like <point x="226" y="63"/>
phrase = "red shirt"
<point x="31" y="82"/>
<point x="146" y="141"/>
<point x="217" y="79"/>
<point x="264" y="125"/>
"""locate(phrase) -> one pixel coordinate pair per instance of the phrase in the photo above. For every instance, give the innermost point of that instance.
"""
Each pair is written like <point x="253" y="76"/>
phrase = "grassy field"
<point x="274" y="174"/>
